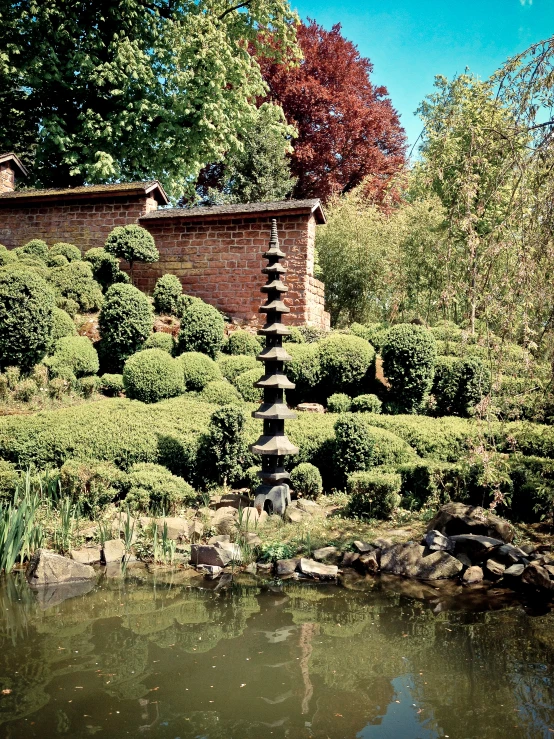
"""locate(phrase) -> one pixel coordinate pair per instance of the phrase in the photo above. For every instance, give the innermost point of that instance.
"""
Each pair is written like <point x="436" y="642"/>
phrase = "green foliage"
<point x="294" y="336"/>
<point x="364" y="332"/>
<point x="133" y="243"/>
<point x="25" y="390"/>
<point x="111" y="385"/>
<point x="234" y="365"/>
<point x="152" y="375"/>
<point x="244" y="383"/>
<point x="26" y="318"/>
<point x="92" y="484"/>
<point x="243" y="342"/>
<point x="71" y="307"/>
<point x="64" y="325"/>
<point x="224" y="446"/>
<point x="160" y="340"/>
<point x="374" y="494"/>
<point x="58" y="386"/>
<point x="58" y="260"/>
<point x="311" y="334"/>
<point x="12" y="375"/>
<point x="304" y="370"/>
<point x="166" y="294"/>
<point x="345" y="362"/>
<point x="75" y="282"/>
<point x="220" y="392"/>
<point x="427" y="483"/>
<point x="198" y="370"/>
<point x="75" y="353"/>
<point x="201" y="329"/>
<point x="409" y="355"/>
<point x="152" y="488"/>
<point x="366" y="404"/>
<point x="251" y="478"/>
<point x="273" y="551"/>
<point x="6" y="256"/>
<point x="36" y="248"/>
<point x="305" y="480"/>
<point x="459" y="384"/>
<point x="105" y="268"/>
<point x="446" y="331"/>
<point x="339" y="403"/>
<point x="69" y="251"/>
<point x="89" y="385"/>
<point x="353" y="445"/>
<point x="125" y="321"/>
<point x="10" y="478"/>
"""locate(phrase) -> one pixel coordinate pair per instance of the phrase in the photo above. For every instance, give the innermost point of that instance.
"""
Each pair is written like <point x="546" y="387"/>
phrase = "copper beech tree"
<point x="348" y="130"/>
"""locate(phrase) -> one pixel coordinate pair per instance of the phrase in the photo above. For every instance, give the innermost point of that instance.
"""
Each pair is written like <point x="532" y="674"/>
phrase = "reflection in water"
<point x="170" y="656"/>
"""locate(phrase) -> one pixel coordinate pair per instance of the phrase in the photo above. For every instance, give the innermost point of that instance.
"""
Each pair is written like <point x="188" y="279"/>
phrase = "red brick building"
<point x="216" y="252"/>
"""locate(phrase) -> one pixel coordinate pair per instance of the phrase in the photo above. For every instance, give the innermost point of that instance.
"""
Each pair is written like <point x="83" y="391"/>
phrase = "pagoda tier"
<point x="273" y="494"/>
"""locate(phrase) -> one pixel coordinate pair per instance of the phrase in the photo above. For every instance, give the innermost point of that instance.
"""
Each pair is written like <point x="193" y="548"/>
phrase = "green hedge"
<point x="375" y="493"/>
<point x="304" y="370"/>
<point x="409" y="354"/>
<point x="245" y="385"/>
<point x="160" y="340"/>
<point x="167" y="291"/>
<point x="202" y="328"/>
<point x="234" y="365"/>
<point x="220" y="392"/>
<point x="76" y="282"/>
<point x="69" y="251"/>
<point x="243" y="342"/>
<point x="105" y="268"/>
<point x="305" y="480"/>
<point x="152" y="375"/>
<point x="152" y="488"/>
<point x="198" y="370"/>
<point x="125" y="322"/>
<point x="345" y="361"/>
<point x="76" y="353"/>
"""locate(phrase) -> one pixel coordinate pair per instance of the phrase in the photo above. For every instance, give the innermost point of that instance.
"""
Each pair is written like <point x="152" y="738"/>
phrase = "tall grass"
<point x="20" y="534"/>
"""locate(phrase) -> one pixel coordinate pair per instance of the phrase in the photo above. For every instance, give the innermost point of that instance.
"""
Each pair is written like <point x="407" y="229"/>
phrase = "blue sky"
<point x="410" y="41"/>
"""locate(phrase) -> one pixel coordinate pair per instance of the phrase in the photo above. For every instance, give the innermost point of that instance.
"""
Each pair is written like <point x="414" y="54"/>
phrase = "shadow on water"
<point x="172" y="655"/>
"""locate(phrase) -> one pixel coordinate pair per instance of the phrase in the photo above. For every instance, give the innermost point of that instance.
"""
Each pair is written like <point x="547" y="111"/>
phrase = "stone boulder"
<point x="311" y="568"/>
<point x="537" y="578"/>
<point x="362" y="547"/>
<point x="286" y="566"/>
<point x="349" y="559"/>
<point x="86" y="555"/>
<point x="409" y="559"/>
<point x="213" y="555"/>
<point x="437" y="542"/>
<point x="48" y="568"/>
<point x="457" y="518"/>
<point x="295" y="515"/>
<point x="370" y="561"/>
<point x="113" y="551"/>
<point x="310" y="408"/>
<point x="472" y="575"/>
<point x="177" y="528"/>
<point x="494" y="568"/>
<point x="232" y="500"/>
<point x="475" y="546"/>
<point x="310" y="506"/>
<point x="225" y="520"/>
<point x="329" y="555"/>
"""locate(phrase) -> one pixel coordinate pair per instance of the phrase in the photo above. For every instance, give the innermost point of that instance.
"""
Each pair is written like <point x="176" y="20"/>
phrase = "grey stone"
<point x="211" y="570"/>
<point x="509" y="554"/>
<point x="48" y="568"/>
<point x="310" y="506"/>
<point x="362" y="547"/>
<point x="349" y="559"/>
<point x="311" y="568"/>
<point x="382" y="543"/>
<point x="219" y="537"/>
<point x="264" y="566"/>
<point x="329" y="555"/>
<point x="371" y="561"/>
<point x="549" y="569"/>
<point x="206" y="554"/>
<point x="232" y="500"/>
<point x="196" y="531"/>
<point x="86" y="555"/>
<point x="251" y="519"/>
<point x="476" y="547"/>
<point x="457" y="518"/>
<point x="408" y="559"/>
<point x="537" y="578"/>
<point x="286" y="566"/>
<point x="472" y="575"/>
<point x="528" y="548"/>
<point x="295" y="515"/>
<point x="52" y="595"/>
<point x="310" y="408"/>
<point x="464" y="559"/>
<point x="438" y="542"/>
<point x="514" y="570"/>
<point x="252" y="539"/>
<point x="494" y="568"/>
<point x="177" y="528"/>
<point x="225" y="520"/>
<point x="233" y="550"/>
<point x="113" y="551"/>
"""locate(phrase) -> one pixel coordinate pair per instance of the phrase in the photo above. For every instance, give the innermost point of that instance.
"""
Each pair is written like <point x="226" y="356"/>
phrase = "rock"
<point x="382" y="543"/>
<point x="196" y="530"/>
<point x="286" y="566"/>
<point x="349" y="559"/>
<point x="464" y="559"/>
<point x="509" y="554"/>
<point x="329" y="555"/>
<point x="233" y="550"/>
<point x="208" y="554"/>
<point x="310" y="408"/>
<point x="371" y="561"/>
<point x="408" y="559"/>
<point x="438" y="542"/>
<point x="363" y="547"/>
<point x="528" y="548"/>
<point x="549" y="569"/>
<point x="48" y="568"/>
<point x="472" y="575"/>
<point x="251" y="569"/>
<point x="113" y="551"/>
<point x="476" y="547"/>
<point x="295" y="515"/>
<point x="537" y="578"/>
<point x="457" y="518"/>
<point x="514" y="570"/>
<point x="264" y="566"/>
<point x="311" y="568"/>
<point x="210" y="570"/>
<point x="219" y="537"/>
<point x="52" y="595"/>
<point x="310" y="506"/>
<point x="225" y="520"/>
<point x="250" y="518"/>
<point x="495" y="568"/>
<point x="252" y="539"/>
<point x="86" y="555"/>
<point x="233" y="500"/>
<point x="177" y="528"/>
<point x="146" y="521"/>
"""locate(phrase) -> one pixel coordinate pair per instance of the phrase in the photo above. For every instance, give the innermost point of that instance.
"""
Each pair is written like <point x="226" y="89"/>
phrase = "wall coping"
<point x="85" y="192"/>
<point x="276" y="208"/>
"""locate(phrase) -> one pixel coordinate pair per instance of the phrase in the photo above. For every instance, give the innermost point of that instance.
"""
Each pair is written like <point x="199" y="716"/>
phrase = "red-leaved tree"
<point x="348" y="130"/>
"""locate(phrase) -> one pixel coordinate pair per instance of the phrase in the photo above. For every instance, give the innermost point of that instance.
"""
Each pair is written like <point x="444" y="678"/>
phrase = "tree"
<point x="348" y="130"/>
<point x="131" y="89"/>
<point x="133" y="243"/>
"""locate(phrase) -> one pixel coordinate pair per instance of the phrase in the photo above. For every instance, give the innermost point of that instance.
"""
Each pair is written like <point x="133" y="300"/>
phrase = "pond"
<point x="174" y="656"/>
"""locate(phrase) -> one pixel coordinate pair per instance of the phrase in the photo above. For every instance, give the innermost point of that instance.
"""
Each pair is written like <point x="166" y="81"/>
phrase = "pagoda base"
<point x="272" y="499"/>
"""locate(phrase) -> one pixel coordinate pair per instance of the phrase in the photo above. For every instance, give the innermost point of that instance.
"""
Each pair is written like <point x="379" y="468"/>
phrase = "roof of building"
<point x="228" y="211"/>
<point x="82" y="192"/>
<point x="11" y="157"/>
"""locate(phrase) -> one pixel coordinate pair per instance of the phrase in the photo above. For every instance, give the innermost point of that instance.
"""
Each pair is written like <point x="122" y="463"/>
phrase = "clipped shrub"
<point x="25" y="390"/>
<point x="28" y="263"/>
<point x="125" y="322"/>
<point x="244" y="383"/>
<point x="63" y="325"/>
<point x="26" y="318"/>
<point x="7" y="256"/>
<point x="339" y="403"/>
<point x="375" y="494"/>
<point x="154" y="488"/>
<point x="202" y="328"/>
<point x="304" y="370"/>
<point x="184" y="302"/>
<point x="40" y="375"/>
<point x="35" y="248"/>
<point x="93" y="484"/>
<point x="366" y="404"/>
<point x="133" y="243"/>
<point x="58" y="387"/>
<point x="376" y="333"/>
<point x="220" y="392"/>
<point x="243" y="342"/>
<point x="364" y="332"/>
<point x="12" y="375"/>
<point x="71" y="252"/>
<point x="233" y="365"/>
<point x="459" y="384"/>
<point x="10" y="479"/>
<point x="111" y="384"/>
<point x="75" y="281"/>
<point x="294" y="336"/>
<point x="305" y="480"/>
<point x="345" y="361"/>
<point x="428" y="483"/>
<point x="224" y="448"/>
<point x="198" y="370"/>
<point x="70" y="306"/>
<point x="409" y="354"/>
<point x="312" y="334"/>
<point x="152" y="375"/>
<point x="446" y="331"/>
<point x="57" y="260"/>
<point x="76" y="353"/>
<point x="166" y="294"/>
<point x="105" y="268"/>
<point x="160" y="340"/>
<point x="89" y="385"/>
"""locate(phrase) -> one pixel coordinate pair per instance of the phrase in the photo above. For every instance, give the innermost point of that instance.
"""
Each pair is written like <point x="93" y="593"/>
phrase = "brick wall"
<point x="7" y="177"/>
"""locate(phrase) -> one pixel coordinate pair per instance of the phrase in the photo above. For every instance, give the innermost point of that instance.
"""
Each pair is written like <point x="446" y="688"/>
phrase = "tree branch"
<point x="235" y="7"/>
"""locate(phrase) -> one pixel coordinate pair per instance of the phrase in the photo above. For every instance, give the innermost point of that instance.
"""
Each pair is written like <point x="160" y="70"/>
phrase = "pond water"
<point x="173" y="656"/>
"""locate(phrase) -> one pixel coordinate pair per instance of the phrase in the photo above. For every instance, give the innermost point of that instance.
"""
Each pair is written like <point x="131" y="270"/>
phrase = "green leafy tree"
<point x="133" y="243"/>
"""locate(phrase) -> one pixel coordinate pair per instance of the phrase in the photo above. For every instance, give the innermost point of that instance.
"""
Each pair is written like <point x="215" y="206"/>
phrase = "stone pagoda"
<point x="273" y="494"/>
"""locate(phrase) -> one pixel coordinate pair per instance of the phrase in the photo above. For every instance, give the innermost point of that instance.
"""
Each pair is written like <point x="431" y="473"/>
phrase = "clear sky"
<point x="410" y="41"/>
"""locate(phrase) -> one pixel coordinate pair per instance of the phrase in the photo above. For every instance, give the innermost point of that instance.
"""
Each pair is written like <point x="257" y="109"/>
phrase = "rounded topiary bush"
<point x="166" y="294"/>
<point x="202" y="328"/>
<point x="459" y="384"/>
<point x="366" y="404"/>
<point x="105" y="268"/>
<point x="304" y="370"/>
<point x="305" y="480"/>
<point x="75" y="281"/>
<point x="363" y="332"/>
<point x="374" y="494"/>
<point x="125" y="322"/>
<point x="58" y="260"/>
<point x="26" y="318"/>
<point x="63" y="325"/>
<point x="294" y="336"/>
<point x="353" y="445"/>
<point x="71" y="252"/>
<point x="233" y="365"/>
<point x="111" y="384"/>
<point x="88" y="385"/>
<point x="153" y="488"/>
<point x="220" y="392"/>
<point x="71" y="307"/>
<point x="345" y="361"/>
<point x="6" y="256"/>
<point x="25" y="390"/>
<point x="198" y="370"/>
<point x="76" y="353"/>
<point x="133" y="243"/>
<point x="160" y="340"/>
<point x="409" y="354"/>
<point x="339" y="403"/>
<point x="243" y="342"/>
<point x="152" y="375"/>
<point x="36" y="248"/>
<point x="245" y="385"/>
